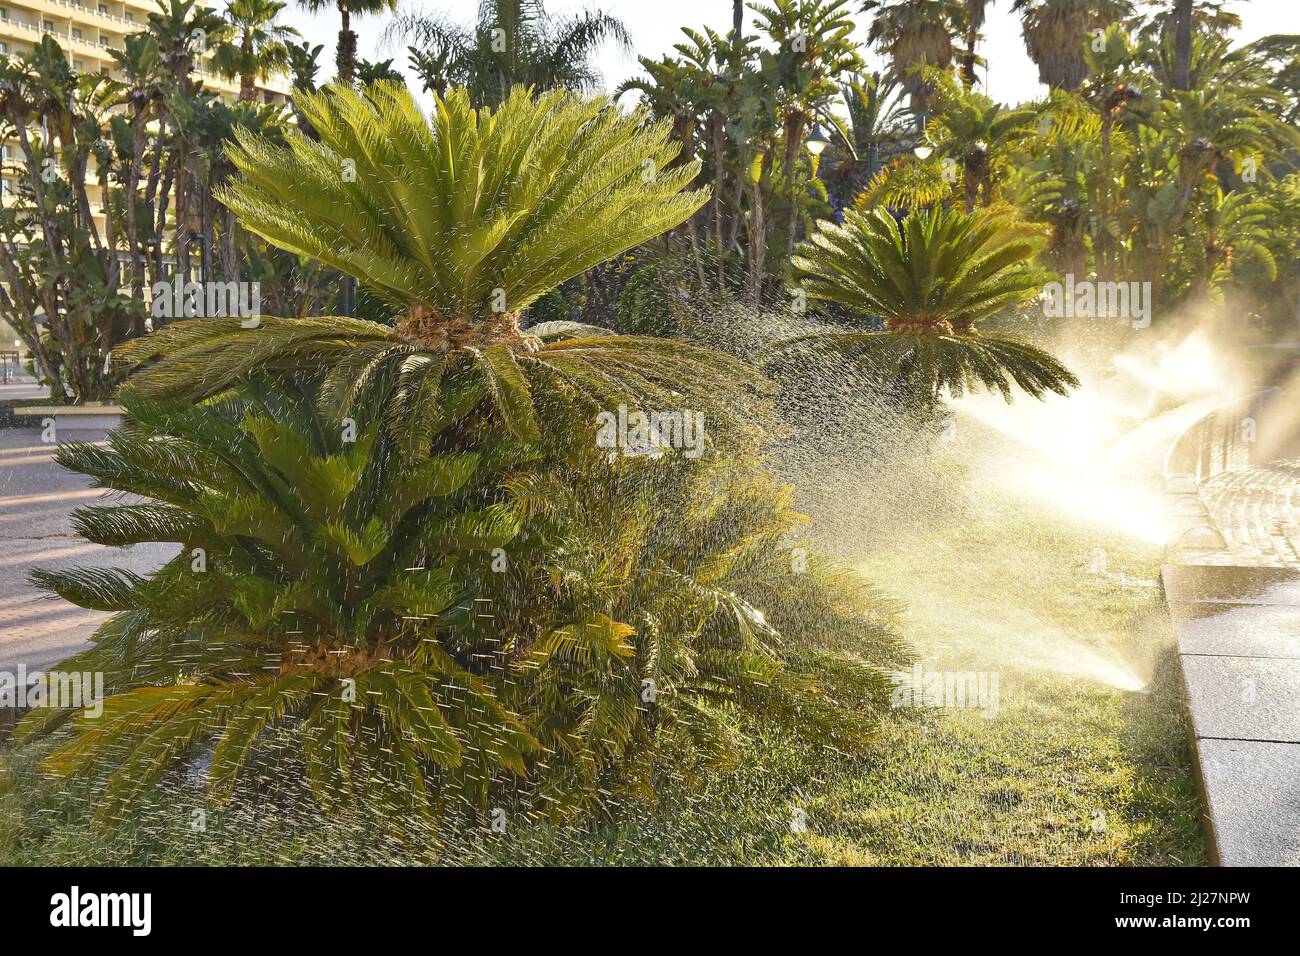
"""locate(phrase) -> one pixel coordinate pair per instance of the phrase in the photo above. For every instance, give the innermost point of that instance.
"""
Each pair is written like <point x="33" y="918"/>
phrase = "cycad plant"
<point x="459" y="224"/>
<point x="416" y="559"/>
<point x="930" y="279"/>
<point x="437" y="636"/>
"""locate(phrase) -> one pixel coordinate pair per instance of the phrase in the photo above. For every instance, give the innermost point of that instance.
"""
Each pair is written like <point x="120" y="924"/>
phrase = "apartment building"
<point x="88" y="31"/>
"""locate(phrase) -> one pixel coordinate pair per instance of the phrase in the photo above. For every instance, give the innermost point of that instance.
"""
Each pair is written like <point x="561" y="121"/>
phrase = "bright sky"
<point x="656" y="25"/>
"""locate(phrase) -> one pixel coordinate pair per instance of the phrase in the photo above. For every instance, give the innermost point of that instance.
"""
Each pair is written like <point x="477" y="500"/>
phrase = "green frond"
<point x="120" y="525"/>
<point x="930" y="279"/>
<point x="442" y="213"/>
<point x="103" y="589"/>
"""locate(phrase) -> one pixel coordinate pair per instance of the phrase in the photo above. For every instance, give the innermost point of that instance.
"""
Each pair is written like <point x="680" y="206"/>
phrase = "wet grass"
<point x="1070" y="769"/>
<point x="1067" y="770"/>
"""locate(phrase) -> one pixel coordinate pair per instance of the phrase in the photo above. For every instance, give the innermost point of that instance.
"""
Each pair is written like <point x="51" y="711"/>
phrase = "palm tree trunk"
<point x="693" y="232"/>
<point x="164" y="200"/>
<point x="968" y="54"/>
<point x="718" y="122"/>
<point x="793" y="138"/>
<point x="346" y="59"/>
<point x="181" y="241"/>
<point x="229" y="250"/>
<point x="1182" y="44"/>
<point x="132" y="227"/>
<point x="758" y="235"/>
<point x="247" y="89"/>
<point x="757" y="248"/>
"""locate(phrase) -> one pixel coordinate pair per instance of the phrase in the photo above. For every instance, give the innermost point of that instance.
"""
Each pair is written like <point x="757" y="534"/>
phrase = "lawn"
<point x="1068" y="771"/>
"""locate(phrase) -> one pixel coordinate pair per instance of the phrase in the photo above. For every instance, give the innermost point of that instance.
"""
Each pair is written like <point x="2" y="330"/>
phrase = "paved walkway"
<point x="1236" y="613"/>
<point x="1238" y="634"/>
<point x="1258" y="512"/>
<point x="36" y="500"/>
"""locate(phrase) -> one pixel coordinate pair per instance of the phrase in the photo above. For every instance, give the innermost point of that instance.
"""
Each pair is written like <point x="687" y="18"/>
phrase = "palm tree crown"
<point x="931" y="279"/>
<point x="345" y="56"/>
<point x="460" y="223"/>
<point x="514" y="43"/>
<point x="259" y="45"/>
<point x="1057" y="33"/>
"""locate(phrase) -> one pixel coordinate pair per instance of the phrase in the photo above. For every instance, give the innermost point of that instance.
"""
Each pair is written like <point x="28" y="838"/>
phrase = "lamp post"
<point x="922" y="149"/>
<point x="348" y="305"/>
<point x="818" y="142"/>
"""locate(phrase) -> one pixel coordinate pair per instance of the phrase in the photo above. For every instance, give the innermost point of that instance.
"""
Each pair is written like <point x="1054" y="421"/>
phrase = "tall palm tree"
<point x="1057" y="33"/>
<point x="973" y="17"/>
<point x="874" y="117"/>
<point x="513" y="43"/>
<point x="915" y="34"/>
<point x="139" y="60"/>
<point x="177" y="25"/>
<point x="460" y="224"/>
<point x="1182" y="43"/>
<point x="257" y="46"/>
<point x="930" y="280"/>
<point x="345" y="56"/>
<point x="981" y="135"/>
<point x="805" y="76"/>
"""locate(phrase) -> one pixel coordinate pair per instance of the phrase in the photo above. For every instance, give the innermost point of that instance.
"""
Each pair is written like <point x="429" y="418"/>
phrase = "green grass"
<point x="1069" y="770"/>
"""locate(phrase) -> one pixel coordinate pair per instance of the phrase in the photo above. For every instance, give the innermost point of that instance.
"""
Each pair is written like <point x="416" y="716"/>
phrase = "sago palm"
<point x="437" y="635"/>
<point x="460" y="223"/>
<point x="930" y="280"/>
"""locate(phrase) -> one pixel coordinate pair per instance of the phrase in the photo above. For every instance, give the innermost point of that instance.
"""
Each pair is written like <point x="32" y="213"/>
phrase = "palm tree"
<point x="915" y="34"/>
<point x="874" y="119"/>
<point x="534" y="194"/>
<point x="973" y="17"/>
<point x="258" y="45"/>
<point x="930" y="279"/>
<point x="1182" y="43"/>
<point x="805" y="76"/>
<point x="1057" y="184"/>
<point x="178" y="26"/>
<point x="349" y="606"/>
<point x="1057" y="33"/>
<point x="981" y="135"/>
<point x="513" y="43"/>
<point x="1232" y="230"/>
<point x="139" y="60"/>
<point x="345" y="56"/>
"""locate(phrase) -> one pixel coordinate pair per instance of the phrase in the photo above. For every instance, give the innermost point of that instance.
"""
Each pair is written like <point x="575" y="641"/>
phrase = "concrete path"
<point x="36" y="500"/>
<point x="1258" y="512"/>
<point x="1238" y="634"/>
